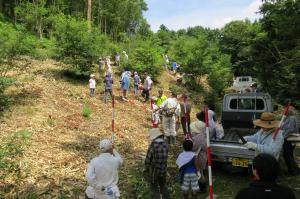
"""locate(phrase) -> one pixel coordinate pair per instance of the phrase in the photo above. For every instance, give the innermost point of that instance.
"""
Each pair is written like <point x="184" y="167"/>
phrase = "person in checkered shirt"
<point x="156" y="164"/>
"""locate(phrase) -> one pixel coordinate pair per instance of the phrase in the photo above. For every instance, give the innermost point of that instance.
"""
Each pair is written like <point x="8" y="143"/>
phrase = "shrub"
<point x="86" y="111"/>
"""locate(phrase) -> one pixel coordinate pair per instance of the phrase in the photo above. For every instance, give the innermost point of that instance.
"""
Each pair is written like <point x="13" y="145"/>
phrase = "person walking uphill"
<point x="265" y="169"/>
<point x="262" y="141"/>
<point x="92" y="84"/>
<point x="108" y="86"/>
<point x="125" y="85"/>
<point x="171" y="112"/>
<point x="156" y="164"/>
<point x="137" y="81"/>
<point x="102" y="173"/>
<point x="185" y="113"/>
<point x="147" y="87"/>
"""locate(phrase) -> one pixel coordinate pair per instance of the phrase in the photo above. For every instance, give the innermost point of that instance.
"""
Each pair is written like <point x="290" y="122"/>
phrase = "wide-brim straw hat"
<point x="267" y="120"/>
<point x="154" y="133"/>
<point x="197" y="127"/>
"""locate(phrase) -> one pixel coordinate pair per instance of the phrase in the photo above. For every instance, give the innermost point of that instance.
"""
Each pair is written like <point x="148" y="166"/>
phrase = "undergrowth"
<point x="11" y="148"/>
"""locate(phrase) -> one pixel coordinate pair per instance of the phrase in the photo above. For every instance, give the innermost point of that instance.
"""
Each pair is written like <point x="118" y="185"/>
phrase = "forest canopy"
<point x="71" y="31"/>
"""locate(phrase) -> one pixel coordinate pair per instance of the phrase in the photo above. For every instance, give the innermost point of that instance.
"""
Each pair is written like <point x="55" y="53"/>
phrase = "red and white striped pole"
<point x="208" y="155"/>
<point x="113" y="120"/>
<point x="187" y="132"/>
<point x="282" y="120"/>
<point x="153" y="121"/>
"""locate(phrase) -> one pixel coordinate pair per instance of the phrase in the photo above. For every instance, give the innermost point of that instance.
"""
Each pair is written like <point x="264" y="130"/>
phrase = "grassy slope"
<point x="50" y="106"/>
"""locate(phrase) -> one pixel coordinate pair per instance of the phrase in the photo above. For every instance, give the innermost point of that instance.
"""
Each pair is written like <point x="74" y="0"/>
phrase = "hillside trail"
<point x="50" y="105"/>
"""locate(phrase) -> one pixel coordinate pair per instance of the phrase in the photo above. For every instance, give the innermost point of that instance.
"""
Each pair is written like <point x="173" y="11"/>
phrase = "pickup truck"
<point x="238" y="112"/>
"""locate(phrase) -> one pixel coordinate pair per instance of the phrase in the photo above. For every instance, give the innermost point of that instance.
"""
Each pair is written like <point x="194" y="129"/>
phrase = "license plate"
<point x="240" y="162"/>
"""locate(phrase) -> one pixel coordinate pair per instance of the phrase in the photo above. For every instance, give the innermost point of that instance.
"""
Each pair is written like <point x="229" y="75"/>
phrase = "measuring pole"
<point x="113" y="120"/>
<point x="208" y="155"/>
<point x="282" y="120"/>
<point x="152" y="115"/>
<point x="187" y="132"/>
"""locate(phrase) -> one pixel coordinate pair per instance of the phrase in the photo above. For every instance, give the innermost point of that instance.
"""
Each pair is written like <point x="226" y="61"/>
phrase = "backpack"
<point x="169" y="110"/>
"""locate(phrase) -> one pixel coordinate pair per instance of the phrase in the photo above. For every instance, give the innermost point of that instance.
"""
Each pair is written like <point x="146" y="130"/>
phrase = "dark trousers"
<point x="107" y="92"/>
<point x="288" y="154"/>
<point x="183" y="123"/>
<point x="159" y="187"/>
<point x="86" y="197"/>
<point x="146" y="94"/>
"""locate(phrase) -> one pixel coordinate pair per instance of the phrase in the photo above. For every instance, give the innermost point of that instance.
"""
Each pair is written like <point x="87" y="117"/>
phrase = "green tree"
<point x="276" y="52"/>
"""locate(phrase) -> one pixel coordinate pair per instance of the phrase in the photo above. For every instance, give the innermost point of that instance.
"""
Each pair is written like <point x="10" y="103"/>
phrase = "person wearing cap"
<point x="92" y="84"/>
<point x="125" y="82"/>
<point x="125" y="55"/>
<point x="161" y="97"/>
<point x="290" y="127"/>
<point x="147" y="87"/>
<point x="156" y="164"/>
<point x="200" y="148"/>
<point x="262" y="141"/>
<point x="137" y="81"/>
<point x="265" y="169"/>
<point x="171" y="111"/>
<point x="108" y="81"/>
<point x="186" y="109"/>
<point x="102" y="173"/>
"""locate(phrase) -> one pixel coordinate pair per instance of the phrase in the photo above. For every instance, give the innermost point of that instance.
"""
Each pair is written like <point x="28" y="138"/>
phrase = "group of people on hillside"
<point x="173" y="67"/>
<point x="125" y="84"/>
<point x="102" y="173"/>
<point x="137" y="84"/>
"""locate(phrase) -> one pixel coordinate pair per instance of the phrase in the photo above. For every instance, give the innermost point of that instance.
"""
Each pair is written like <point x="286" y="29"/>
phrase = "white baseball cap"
<point x="105" y="145"/>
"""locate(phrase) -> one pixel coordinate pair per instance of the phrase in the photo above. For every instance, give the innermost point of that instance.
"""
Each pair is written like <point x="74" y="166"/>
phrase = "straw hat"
<point x="197" y="127"/>
<point x="92" y="75"/>
<point x="154" y="133"/>
<point x="105" y="145"/>
<point x="267" y="120"/>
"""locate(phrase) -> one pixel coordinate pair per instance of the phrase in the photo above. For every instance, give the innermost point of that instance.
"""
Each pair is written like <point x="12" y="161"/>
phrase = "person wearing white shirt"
<point x="92" y="84"/>
<point x="171" y="112"/>
<point x="102" y="173"/>
<point x="148" y="83"/>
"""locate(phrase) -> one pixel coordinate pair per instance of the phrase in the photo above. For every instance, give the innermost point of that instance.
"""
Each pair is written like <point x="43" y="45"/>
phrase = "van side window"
<point x="260" y="105"/>
<point x="233" y="104"/>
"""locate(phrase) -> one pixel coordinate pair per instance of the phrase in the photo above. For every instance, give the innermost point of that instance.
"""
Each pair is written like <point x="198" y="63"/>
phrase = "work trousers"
<point x="92" y="92"/>
<point x="169" y="124"/>
<point x="288" y="154"/>
<point x="159" y="187"/>
<point x="146" y="94"/>
<point x="183" y="123"/>
<point x="136" y="89"/>
<point x="106" y="93"/>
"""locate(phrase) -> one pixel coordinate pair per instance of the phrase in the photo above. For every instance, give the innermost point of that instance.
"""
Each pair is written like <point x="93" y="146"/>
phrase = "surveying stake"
<point x="113" y="120"/>
<point x="282" y="120"/>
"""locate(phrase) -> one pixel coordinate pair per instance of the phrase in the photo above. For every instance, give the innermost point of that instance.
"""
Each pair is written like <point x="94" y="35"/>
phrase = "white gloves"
<point x="241" y="142"/>
<point x="251" y="145"/>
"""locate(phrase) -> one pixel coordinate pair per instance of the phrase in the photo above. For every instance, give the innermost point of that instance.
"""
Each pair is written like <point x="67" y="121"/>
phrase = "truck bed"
<point x="228" y="148"/>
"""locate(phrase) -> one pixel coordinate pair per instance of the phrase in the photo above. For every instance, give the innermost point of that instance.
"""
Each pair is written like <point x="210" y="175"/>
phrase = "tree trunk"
<point x="89" y="14"/>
